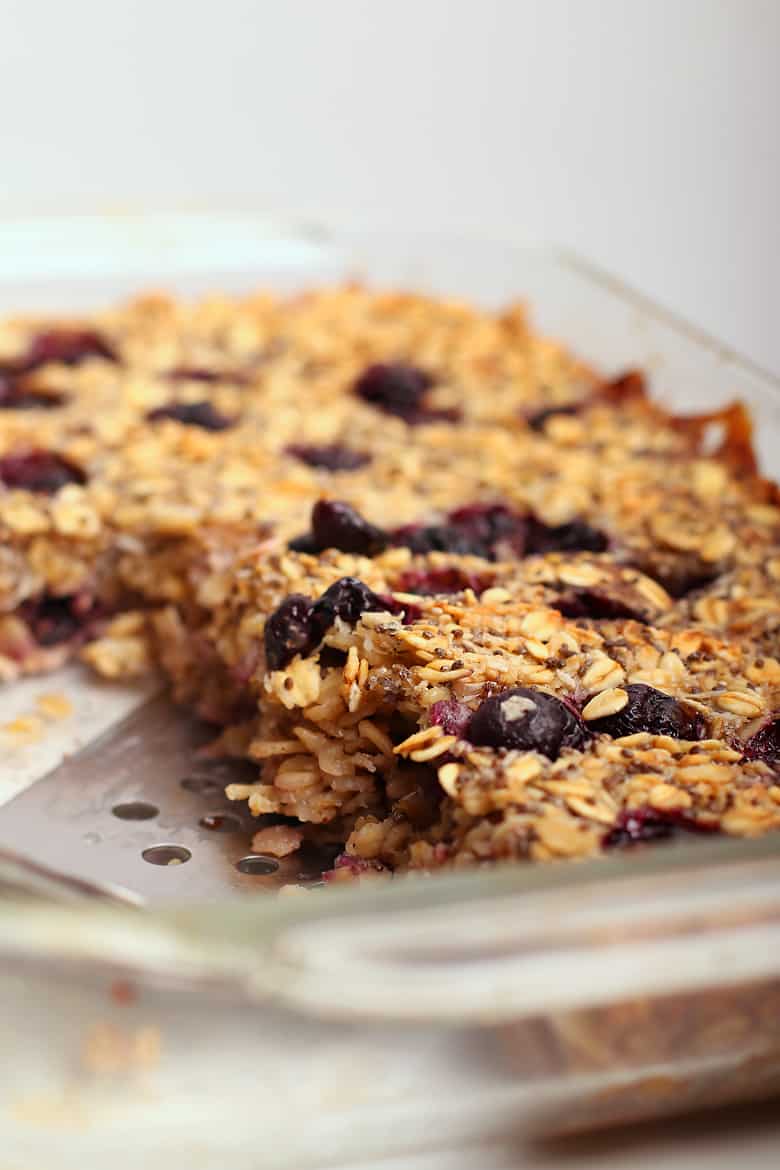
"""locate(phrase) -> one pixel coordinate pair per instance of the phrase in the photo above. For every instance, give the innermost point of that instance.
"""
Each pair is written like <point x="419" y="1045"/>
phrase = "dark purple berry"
<point x="652" y="711"/>
<point x="453" y="717"/>
<point x="587" y="603"/>
<point x="640" y="825"/>
<point x="433" y="582"/>
<point x="450" y="414"/>
<point x="51" y="620"/>
<point x="331" y="658"/>
<point x="298" y="625"/>
<point x="347" y="599"/>
<point x="330" y="457"/>
<point x="205" y="375"/>
<point x="335" y="524"/>
<point x="194" y="374"/>
<point x="397" y="388"/>
<point x="576" y="536"/>
<point x="422" y="539"/>
<point x="30" y="400"/>
<point x="494" y="528"/>
<point x="18" y="393"/>
<point x="357" y="866"/>
<point x="39" y="471"/>
<point x="305" y="543"/>
<point x="491" y="531"/>
<point x="496" y="533"/>
<point x="69" y="346"/>
<point x="192" y="414"/>
<point x="538" y="421"/>
<point x="682" y="580"/>
<point x="765" y="744"/>
<point x="291" y="629"/>
<point x="526" y="720"/>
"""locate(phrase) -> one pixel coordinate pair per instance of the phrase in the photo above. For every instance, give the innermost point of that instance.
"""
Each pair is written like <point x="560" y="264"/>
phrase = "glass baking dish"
<point x="339" y="1025"/>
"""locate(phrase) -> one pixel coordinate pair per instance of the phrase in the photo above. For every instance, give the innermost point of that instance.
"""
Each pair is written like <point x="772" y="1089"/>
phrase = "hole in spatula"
<point x="135" y="810"/>
<point x="166" y="855"/>
<point x="255" y="863"/>
<point x="220" y="822"/>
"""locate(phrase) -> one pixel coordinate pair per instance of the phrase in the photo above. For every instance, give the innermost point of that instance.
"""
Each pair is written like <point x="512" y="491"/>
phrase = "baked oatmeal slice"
<point x="115" y="429"/>
<point x="213" y="658"/>
<point x="571" y="528"/>
<point x="371" y="710"/>
<point x="480" y="806"/>
<point x="743" y="603"/>
<point x="389" y="359"/>
<point x="168" y="430"/>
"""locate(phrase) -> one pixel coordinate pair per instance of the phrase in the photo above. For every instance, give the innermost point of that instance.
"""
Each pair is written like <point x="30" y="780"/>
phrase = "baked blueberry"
<point x="192" y="414"/>
<point x="298" y="624"/>
<point x="527" y="720"/>
<point x="430" y="582"/>
<point x="576" y="536"/>
<point x="329" y="456"/>
<point x="452" y="716"/>
<point x="336" y="524"/>
<point x="765" y="744"/>
<point x="491" y="531"/>
<point x="538" y="421"/>
<point x="291" y="629"/>
<point x="396" y="388"/>
<point x="650" y="710"/>
<point x="52" y="620"/>
<point x="347" y="599"/>
<point x="17" y="392"/>
<point x="595" y="606"/>
<point x="39" y="471"/>
<point x="68" y="346"/>
<point x="637" y="826"/>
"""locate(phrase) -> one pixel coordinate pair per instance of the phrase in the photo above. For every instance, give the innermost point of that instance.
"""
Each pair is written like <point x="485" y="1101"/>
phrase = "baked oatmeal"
<point x="456" y="595"/>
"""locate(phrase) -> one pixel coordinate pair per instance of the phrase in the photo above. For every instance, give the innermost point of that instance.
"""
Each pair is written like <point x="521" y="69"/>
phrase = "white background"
<point x="645" y="133"/>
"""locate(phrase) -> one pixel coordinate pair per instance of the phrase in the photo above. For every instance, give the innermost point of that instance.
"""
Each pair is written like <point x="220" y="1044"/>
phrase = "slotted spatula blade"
<point x="138" y="815"/>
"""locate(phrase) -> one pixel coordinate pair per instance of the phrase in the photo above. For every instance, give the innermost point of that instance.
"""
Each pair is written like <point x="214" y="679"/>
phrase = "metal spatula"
<point x="138" y="816"/>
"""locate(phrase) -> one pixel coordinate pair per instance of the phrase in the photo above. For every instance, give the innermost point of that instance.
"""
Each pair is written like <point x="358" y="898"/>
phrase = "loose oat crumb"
<point x="55" y="705"/>
<point x="277" y="840"/>
<point x="109" y="1049"/>
<point x="27" y="728"/>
